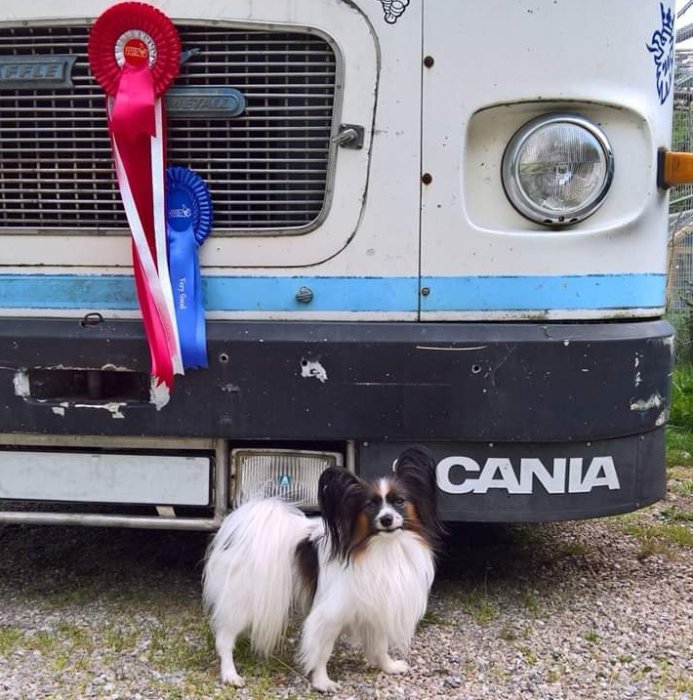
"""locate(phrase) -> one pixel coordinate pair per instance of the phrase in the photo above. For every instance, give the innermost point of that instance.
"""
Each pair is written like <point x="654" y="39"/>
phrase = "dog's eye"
<point x="399" y="502"/>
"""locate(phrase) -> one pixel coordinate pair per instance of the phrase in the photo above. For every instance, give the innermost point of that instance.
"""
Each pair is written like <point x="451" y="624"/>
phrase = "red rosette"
<point x="133" y="33"/>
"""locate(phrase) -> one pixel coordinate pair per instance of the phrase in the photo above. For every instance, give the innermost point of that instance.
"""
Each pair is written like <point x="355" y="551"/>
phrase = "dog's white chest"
<point x="388" y="584"/>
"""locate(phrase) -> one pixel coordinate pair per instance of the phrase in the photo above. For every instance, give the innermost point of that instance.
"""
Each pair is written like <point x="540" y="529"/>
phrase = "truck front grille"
<point x="267" y="169"/>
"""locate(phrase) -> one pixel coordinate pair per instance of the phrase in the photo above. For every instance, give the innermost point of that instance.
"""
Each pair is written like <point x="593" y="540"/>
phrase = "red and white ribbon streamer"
<point x="134" y="53"/>
<point x="153" y="274"/>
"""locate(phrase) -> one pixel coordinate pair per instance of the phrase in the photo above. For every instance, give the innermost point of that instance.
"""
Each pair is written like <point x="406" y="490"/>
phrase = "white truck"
<point x="441" y="223"/>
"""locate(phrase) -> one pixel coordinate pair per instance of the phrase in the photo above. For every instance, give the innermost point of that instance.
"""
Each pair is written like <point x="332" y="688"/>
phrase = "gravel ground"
<point x="599" y="610"/>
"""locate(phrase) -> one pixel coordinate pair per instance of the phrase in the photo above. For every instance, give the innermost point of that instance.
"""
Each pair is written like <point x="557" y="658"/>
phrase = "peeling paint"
<point x="108" y="367"/>
<point x="159" y="394"/>
<point x="313" y="368"/>
<point x="58" y="410"/>
<point x="113" y="407"/>
<point x="655" y="401"/>
<point x="60" y="367"/>
<point x="21" y="384"/>
<point x="638" y="379"/>
<point x="455" y="349"/>
<point x="661" y="418"/>
<point x="402" y="384"/>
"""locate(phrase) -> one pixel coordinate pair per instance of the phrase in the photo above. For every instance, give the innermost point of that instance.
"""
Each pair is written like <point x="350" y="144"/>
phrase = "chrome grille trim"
<point x="269" y="170"/>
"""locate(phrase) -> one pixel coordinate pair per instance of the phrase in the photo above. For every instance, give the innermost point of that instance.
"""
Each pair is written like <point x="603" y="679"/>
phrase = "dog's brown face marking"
<point x="412" y="517"/>
<point x="362" y="531"/>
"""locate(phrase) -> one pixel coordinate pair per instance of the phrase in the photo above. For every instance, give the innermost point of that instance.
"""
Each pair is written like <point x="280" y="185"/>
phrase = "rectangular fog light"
<point x="288" y="474"/>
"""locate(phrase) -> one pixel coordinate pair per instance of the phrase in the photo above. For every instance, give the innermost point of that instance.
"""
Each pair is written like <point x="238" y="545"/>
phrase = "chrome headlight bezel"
<point x="513" y="186"/>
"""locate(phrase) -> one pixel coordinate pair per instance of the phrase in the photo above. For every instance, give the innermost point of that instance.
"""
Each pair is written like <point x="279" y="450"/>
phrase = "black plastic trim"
<point x="507" y="382"/>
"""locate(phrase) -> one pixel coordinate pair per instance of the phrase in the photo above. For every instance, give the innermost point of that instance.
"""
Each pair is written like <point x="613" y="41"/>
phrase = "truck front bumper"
<point x="537" y="396"/>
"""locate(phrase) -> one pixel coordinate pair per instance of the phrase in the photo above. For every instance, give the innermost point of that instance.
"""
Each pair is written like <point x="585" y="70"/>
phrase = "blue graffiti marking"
<point x="661" y="47"/>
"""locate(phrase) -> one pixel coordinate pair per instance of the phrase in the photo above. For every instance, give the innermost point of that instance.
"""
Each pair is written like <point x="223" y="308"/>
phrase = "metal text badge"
<point x="34" y="72"/>
<point x="204" y="103"/>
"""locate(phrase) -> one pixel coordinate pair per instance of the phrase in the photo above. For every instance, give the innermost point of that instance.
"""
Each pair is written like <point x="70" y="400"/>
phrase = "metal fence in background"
<point x="680" y="277"/>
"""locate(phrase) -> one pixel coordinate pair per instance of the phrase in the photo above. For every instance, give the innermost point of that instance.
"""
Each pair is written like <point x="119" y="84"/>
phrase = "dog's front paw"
<point x="323" y="684"/>
<point x="392" y="666"/>
<point x="232" y="678"/>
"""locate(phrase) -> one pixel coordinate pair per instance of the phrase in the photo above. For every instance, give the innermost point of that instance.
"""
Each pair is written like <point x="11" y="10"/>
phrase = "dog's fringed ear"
<point x="340" y="495"/>
<point x="416" y="470"/>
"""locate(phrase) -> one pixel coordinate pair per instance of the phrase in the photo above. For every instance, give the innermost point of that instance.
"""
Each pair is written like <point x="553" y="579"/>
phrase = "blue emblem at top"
<point x="661" y="47"/>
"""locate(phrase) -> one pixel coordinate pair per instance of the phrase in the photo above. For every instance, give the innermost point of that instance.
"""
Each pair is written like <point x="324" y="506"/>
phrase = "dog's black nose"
<point x="386" y="520"/>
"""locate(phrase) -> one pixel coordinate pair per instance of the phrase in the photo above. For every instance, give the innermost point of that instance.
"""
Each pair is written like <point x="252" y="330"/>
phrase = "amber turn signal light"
<point x="674" y="168"/>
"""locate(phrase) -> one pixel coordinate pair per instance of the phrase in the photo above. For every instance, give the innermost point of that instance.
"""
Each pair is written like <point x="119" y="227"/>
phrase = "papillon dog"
<point x="364" y="568"/>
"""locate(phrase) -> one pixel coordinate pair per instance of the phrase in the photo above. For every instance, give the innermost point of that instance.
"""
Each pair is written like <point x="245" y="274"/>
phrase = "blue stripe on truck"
<point x="544" y="292"/>
<point x="379" y="294"/>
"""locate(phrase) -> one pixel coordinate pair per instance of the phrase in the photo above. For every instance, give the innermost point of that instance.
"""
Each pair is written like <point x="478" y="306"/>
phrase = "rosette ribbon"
<point x="134" y="54"/>
<point x="189" y="221"/>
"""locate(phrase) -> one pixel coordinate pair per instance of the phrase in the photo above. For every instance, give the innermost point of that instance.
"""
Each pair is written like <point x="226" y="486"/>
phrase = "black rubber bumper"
<point x="426" y="382"/>
<point x="526" y="422"/>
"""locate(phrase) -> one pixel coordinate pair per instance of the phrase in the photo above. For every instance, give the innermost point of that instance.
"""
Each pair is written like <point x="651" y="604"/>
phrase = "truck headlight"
<point x="557" y="169"/>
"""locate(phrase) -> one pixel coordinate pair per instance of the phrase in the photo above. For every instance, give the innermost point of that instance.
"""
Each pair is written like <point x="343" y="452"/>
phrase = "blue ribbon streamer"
<point x="189" y="221"/>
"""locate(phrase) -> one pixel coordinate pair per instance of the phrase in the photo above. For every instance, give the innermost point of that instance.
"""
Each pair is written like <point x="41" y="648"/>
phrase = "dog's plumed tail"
<point x="249" y="578"/>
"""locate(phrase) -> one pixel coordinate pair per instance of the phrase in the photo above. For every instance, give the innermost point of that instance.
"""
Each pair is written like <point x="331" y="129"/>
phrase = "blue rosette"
<point x="188" y="221"/>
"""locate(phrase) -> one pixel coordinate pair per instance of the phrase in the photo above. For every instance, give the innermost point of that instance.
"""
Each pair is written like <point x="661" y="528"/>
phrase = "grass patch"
<point x="529" y="656"/>
<point x="680" y="429"/>
<point x="683" y="684"/>
<point x="681" y="408"/>
<point x="63" y="647"/>
<point x="194" y="688"/>
<point x="592" y="637"/>
<point x="681" y="488"/>
<point x="62" y="661"/>
<point x="9" y="639"/>
<point x="554" y="675"/>
<point x="572" y="549"/>
<point x="531" y="535"/>
<point x="673" y="514"/>
<point x="187" y="646"/>
<point x="188" y="649"/>
<point x="680" y="446"/>
<point x="680" y="473"/>
<point x="678" y="534"/>
<point x="75" y="637"/>
<point x="44" y="641"/>
<point x="119" y="640"/>
<point x="530" y="602"/>
<point x="479" y="607"/>
<point x="658" y="538"/>
<point x="431" y="617"/>
<point x="508" y="633"/>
